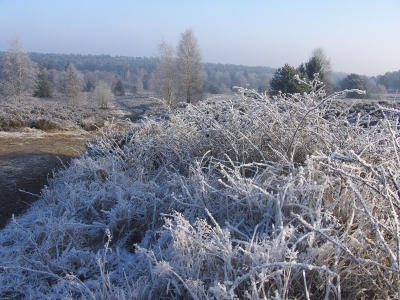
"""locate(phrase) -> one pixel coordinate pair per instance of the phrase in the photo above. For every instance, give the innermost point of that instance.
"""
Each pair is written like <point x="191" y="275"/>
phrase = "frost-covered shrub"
<point x="8" y="123"/>
<point x="45" y="125"/>
<point x="49" y="114"/>
<point x="236" y="197"/>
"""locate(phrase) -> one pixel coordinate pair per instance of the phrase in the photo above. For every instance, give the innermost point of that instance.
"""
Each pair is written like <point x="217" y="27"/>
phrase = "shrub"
<point x="9" y="124"/>
<point x="45" y="124"/>
<point x="236" y="197"/>
<point x="103" y="94"/>
<point x="50" y="115"/>
<point x="354" y="81"/>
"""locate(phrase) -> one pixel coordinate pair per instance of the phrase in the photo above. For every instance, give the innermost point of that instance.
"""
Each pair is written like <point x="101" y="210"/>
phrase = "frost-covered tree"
<point x="43" y="88"/>
<point x="323" y="64"/>
<point x="18" y="74"/>
<point x="377" y="91"/>
<point x="166" y="72"/>
<point x="189" y="73"/>
<point x="72" y="83"/>
<point x="103" y="94"/>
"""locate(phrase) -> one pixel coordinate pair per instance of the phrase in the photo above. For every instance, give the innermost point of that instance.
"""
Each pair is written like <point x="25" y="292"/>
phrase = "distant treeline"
<point x="391" y="80"/>
<point x="117" y="64"/>
<point x="219" y="77"/>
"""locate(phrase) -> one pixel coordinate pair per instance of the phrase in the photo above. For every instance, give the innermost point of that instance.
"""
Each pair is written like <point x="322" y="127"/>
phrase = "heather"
<point x="241" y="196"/>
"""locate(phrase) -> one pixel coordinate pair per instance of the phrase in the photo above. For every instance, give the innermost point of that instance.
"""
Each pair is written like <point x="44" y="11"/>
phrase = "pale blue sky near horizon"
<point x="359" y="36"/>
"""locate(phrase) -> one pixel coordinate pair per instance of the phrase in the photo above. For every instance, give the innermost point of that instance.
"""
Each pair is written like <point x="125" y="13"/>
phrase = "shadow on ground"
<point x="23" y="176"/>
<point x="26" y="164"/>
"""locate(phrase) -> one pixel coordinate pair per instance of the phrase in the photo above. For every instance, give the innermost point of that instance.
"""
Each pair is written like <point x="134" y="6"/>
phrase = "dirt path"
<point x="27" y="160"/>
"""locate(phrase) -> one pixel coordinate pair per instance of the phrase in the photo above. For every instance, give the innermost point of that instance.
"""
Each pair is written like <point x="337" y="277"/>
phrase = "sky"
<point x="359" y="36"/>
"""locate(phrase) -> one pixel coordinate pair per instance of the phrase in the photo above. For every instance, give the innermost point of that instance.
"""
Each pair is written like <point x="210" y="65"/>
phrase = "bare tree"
<point x="103" y="94"/>
<point x="19" y="73"/>
<point x="72" y="83"/>
<point x="189" y="71"/>
<point x="165" y="72"/>
<point x="325" y="63"/>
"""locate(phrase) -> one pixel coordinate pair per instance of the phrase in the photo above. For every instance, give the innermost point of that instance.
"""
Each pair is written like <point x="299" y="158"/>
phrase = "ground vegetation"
<point x="239" y="196"/>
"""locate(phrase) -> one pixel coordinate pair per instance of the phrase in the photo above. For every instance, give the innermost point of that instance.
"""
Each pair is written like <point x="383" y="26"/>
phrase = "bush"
<point x="45" y="124"/>
<point x="236" y="197"/>
<point x="354" y="81"/>
<point x="9" y="124"/>
<point x="49" y="115"/>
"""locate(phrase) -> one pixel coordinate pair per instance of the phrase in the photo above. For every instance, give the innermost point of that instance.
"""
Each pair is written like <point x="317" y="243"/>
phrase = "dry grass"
<point x="287" y="198"/>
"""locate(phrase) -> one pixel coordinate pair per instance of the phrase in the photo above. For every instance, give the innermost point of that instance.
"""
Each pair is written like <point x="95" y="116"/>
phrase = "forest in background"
<point x="131" y="68"/>
<point x="139" y="75"/>
<point x="139" y="72"/>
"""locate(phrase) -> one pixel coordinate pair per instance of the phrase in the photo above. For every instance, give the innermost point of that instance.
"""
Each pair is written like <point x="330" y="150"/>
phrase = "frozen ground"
<point x="26" y="162"/>
<point x="28" y="156"/>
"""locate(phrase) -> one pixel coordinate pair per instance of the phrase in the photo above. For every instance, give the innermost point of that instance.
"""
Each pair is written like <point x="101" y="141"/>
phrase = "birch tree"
<point x="165" y="72"/>
<point x="326" y="68"/>
<point x="189" y="72"/>
<point x="19" y="73"/>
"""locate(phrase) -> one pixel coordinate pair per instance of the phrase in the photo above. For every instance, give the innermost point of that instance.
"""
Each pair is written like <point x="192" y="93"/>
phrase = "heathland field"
<point x="237" y="196"/>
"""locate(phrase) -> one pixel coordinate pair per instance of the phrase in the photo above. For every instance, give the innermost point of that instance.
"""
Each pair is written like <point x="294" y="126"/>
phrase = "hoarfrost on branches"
<point x="236" y="197"/>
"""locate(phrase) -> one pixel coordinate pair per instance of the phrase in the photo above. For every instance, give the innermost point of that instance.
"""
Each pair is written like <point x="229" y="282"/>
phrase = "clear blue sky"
<point x="360" y="36"/>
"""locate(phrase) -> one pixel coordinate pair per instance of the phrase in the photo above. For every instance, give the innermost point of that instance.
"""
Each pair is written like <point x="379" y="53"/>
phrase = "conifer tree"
<point x="119" y="89"/>
<point x="354" y="81"/>
<point x="284" y="82"/>
<point x="43" y="87"/>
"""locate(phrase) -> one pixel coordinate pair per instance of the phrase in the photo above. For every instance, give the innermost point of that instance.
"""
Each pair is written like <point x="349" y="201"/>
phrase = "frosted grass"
<point x="241" y="196"/>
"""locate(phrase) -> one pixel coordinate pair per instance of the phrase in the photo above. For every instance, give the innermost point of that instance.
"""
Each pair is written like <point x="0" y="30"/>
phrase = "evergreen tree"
<point x="43" y="87"/>
<point x="314" y="66"/>
<point x="384" y="81"/>
<point x="320" y="63"/>
<point x="119" y="89"/>
<point x="354" y="81"/>
<point x="145" y="80"/>
<point x="89" y="86"/>
<point x="284" y="82"/>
